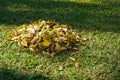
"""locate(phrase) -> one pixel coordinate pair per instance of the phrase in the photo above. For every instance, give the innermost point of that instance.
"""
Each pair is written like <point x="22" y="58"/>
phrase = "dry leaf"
<point x="9" y="38"/>
<point x="34" y="40"/>
<point x="24" y="42"/>
<point x="75" y="49"/>
<point x="36" y="27"/>
<point x="46" y="36"/>
<point x="15" y="37"/>
<point x="72" y="58"/>
<point x="60" y="68"/>
<point x="17" y="33"/>
<point x="53" y="54"/>
<point x="57" y="47"/>
<point x="46" y="43"/>
<point x="63" y="48"/>
<point x="77" y="64"/>
<point x="32" y="49"/>
<point x="30" y="30"/>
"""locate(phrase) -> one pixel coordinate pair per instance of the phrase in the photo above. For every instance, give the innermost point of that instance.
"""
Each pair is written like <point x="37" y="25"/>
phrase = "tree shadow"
<point x="89" y="16"/>
<point x="9" y="74"/>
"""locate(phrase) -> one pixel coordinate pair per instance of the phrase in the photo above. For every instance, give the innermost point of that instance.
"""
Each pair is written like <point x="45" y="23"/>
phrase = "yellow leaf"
<point x="36" y="27"/>
<point x="72" y="58"/>
<point x="32" y="49"/>
<point x="24" y="42"/>
<point x="21" y="28"/>
<point x="9" y="38"/>
<point x="15" y="38"/>
<point x="17" y="33"/>
<point x="46" y="43"/>
<point x="30" y="30"/>
<point x="50" y="22"/>
<point x="77" y="64"/>
<point x="82" y="39"/>
<point x="75" y="49"/>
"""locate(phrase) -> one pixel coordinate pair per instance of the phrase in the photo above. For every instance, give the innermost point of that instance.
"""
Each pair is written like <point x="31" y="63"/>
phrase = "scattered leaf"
<point x="77" y="64"/>
<point x="75" y="49"/>
<point x="72" y="58"/>
<point x="60" y="68"/>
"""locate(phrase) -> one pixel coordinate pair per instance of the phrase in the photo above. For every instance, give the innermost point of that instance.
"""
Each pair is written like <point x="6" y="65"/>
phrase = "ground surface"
<point x="97" y="20"/>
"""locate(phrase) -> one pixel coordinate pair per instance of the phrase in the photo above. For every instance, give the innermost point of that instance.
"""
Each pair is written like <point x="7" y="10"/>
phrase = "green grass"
<point x="97" y="20"/>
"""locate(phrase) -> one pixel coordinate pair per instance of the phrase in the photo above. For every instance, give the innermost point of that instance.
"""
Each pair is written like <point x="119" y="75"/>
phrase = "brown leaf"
<point x="34" y="40"/>
<point x="63" y="48"/>
<point x="57" y="47"/>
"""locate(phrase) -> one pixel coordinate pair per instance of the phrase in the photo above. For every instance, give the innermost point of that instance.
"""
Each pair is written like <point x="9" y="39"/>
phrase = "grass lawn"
<point x="96" y="20"/>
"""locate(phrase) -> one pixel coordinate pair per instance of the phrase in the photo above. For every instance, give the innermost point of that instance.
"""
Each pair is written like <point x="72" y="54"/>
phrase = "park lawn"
<point x="96" y="20"/>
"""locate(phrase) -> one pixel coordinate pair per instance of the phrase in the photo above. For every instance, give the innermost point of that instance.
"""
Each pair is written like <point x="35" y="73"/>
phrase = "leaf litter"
<point x="47" y="36"/>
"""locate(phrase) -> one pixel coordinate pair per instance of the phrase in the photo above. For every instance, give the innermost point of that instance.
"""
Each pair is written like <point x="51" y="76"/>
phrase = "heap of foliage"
<point x="44" y="35"/>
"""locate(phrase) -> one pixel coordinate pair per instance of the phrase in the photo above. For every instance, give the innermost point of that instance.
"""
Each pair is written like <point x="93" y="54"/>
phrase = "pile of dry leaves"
<point x="44" y="35"/>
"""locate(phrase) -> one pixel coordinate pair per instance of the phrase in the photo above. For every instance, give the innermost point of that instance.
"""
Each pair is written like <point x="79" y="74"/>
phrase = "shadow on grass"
<point x="7" y="74"/>
<point x="89" y="16"/>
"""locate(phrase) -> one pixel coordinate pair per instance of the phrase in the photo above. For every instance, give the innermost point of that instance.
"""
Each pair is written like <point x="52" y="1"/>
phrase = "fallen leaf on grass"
<point x="9" y="38"/>
<point x="72" y="58"/>
<point x="75" y="49"/>
<point x="77" y="64"/>
<point x="60" y="68"/>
